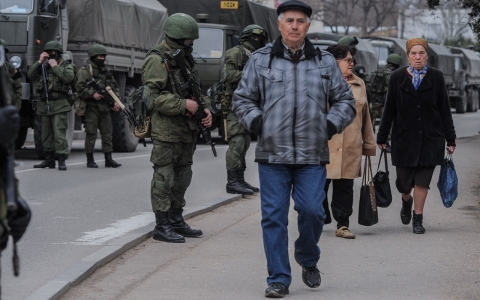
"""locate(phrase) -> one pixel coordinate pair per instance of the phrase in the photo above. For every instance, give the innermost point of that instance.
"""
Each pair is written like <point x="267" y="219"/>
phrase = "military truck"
<point x="220" y="25"/>
<point x="467" y="78"/>
<point x="365" y="55"/>
<point x="439" y="57"/>
<point x="127" y="28"/>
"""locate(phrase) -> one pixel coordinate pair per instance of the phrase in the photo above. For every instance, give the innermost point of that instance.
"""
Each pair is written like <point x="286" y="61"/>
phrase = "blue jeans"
<point x="306" y="184"/>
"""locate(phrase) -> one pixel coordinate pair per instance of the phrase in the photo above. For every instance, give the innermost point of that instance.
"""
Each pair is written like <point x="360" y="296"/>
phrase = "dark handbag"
<point x="448" y="182"/>
<point x="383" y="193"/>
<point x="367" y="209"/>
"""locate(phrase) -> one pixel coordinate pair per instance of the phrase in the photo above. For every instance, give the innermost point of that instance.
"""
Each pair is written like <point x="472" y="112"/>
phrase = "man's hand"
<point x="116" y="107"/>
<point x="9" y="122"/>
<point x="43" y="56"/>
<point x="191" y="106"/>
<point x="52" y="62"/>
<point x="450" y="149"/>
<point x="97" y="96"/>
<point x="207" y="121"/>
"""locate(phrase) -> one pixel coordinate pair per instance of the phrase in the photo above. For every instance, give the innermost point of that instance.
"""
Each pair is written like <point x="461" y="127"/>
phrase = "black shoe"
<point x="61" y="162"/>
<point x="179" y="226"/>
<point x="90" y="161"/>
<point x="163" y="230"/>
<point x="406" y="212"/>
<point x="241" y="180"/>
<point x="310" y="275"/>
<point x="276" y="290"/>
<point x="49" y="161"/>
<point x="417" y="223"/>
<point x="109" y="162"/>
<point x="234" y="186"/>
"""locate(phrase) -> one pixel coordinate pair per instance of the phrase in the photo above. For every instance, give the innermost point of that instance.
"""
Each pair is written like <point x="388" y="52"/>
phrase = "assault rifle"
<point x="106" y="96"/>
<point x="45" y="80"/>
<point x="193" y="85"/>
<point x="128" y="114"/>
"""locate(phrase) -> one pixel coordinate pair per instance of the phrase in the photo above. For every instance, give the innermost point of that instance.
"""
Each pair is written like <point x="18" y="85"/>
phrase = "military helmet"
<point x="97" y="49"/>
<point x="4" y="44"/>
<point x="350" y="41"/>
<point x="253" y="29"/>
<point x="53" y="45"/>
<point x="181" y="26"/>
<point x="394" y="59"/>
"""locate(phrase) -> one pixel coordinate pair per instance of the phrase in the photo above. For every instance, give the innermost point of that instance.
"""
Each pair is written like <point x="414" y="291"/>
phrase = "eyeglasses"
<point x="348" y="60"/>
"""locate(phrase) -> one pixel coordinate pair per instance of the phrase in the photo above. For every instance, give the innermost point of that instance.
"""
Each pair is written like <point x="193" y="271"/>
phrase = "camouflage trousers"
<point x="93" y="119"/>
<point x="172" y="174"/>
<point x="376" y="111"/>
<point x="54" y="133"/>
<point x="238" y="143"/>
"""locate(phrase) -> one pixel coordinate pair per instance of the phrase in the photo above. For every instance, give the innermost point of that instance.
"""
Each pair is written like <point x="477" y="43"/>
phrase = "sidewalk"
<point x="385" y="261"/>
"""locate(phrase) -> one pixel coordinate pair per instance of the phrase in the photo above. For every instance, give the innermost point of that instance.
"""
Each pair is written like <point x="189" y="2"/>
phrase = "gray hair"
<point x="280" y="17"/>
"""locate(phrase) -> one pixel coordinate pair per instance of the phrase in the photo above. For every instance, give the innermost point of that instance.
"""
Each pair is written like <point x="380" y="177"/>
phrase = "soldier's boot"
<point x="241" y="180"/>
<point x="235" y="187"/>
<point x="61" y="162"/>
<point x="163" y="230"/>
<point x="49" y="161"/>
<point x="109" y="162"/>
<point x="179" y="226"/>
<point x="90" y="161"/>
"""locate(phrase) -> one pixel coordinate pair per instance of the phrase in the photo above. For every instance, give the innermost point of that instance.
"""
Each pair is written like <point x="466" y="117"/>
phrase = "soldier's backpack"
<point x="217" y="91"/>
<point x="375" y="83"/>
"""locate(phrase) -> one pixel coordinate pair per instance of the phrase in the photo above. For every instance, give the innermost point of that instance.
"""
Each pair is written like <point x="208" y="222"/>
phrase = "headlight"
<point x="16" y="61"/>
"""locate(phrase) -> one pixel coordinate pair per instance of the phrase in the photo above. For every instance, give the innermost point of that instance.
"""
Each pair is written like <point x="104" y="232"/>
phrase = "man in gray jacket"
<point x="295" y="99"/>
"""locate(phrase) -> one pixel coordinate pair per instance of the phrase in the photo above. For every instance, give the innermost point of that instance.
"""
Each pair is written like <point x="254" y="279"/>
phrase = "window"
<point x="209" y="43"/>
<point x="16" y="6"/>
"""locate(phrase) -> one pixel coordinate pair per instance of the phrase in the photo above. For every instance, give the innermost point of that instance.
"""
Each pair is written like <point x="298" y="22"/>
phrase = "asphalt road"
<point x="76" y="212"/>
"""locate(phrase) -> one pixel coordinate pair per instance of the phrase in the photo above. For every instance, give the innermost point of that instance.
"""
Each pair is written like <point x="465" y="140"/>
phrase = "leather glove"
<point x="331" y="130"/>
<point x="256" y="126"/>
<point x="9" y="123"/>
<point x="19" y="223"/>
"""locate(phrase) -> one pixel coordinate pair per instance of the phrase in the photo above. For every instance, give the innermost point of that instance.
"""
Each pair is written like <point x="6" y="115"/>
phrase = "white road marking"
<point x="114" y="230"/>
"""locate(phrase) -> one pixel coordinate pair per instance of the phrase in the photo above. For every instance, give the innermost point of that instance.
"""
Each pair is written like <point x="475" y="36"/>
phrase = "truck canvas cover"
<point x="118" y="23"/>
<point x="245" y="14"/>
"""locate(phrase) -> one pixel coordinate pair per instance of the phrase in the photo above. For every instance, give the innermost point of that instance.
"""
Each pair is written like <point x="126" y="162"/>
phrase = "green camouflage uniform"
<point x="238" y="137"/>
<point x="377" y="100"/>
<point x="174" y="134"/>
<point x="54" y="120"/>
<point x="15" y="83"/>
<point x="97" y="113"/>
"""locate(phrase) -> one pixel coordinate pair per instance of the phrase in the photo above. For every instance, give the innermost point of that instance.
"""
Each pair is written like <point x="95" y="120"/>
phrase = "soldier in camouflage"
<point x="174" y="130"/>
<point x="377" y="98"/>
<point x="13" y="76"/>
<point x="253" y="37"/>
<point x="54" y="114"/>
<point x="97" y="111"/>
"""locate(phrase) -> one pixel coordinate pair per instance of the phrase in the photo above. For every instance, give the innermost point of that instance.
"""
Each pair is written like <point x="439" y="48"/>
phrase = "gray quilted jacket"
<point x="292" y="101"/>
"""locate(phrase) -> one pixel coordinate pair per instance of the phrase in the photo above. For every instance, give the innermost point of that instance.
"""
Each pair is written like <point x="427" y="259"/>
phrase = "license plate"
<point x="229" y="4"/>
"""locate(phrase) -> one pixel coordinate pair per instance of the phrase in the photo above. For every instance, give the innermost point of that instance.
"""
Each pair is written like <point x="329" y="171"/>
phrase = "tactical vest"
<point x="102" y="77"/>
<point x="56" y="88"/>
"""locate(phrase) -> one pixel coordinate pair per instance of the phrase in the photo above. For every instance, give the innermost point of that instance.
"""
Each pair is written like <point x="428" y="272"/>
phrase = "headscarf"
<point x="417" y="75"/>
<point x="416" y="41"/>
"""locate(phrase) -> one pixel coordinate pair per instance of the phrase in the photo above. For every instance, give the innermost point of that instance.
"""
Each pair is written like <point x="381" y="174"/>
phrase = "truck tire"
<point x="37" y="135"/>
<point x="21" y="137"/>
<point x="460" y="104"/>
<point x="123" y="138"/>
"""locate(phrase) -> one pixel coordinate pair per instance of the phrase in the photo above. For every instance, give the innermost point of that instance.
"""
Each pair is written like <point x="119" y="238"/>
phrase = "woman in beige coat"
<point x="347" y="148"/>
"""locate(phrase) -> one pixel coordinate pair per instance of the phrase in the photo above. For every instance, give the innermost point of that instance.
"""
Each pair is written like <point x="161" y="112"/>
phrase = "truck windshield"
<point x="209" y="43"/>
<point x="16" y="6"/>
<point x="382" y="53"/>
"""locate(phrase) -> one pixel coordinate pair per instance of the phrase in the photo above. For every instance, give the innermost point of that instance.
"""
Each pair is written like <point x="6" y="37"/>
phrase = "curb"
<point x="79" y="271"/>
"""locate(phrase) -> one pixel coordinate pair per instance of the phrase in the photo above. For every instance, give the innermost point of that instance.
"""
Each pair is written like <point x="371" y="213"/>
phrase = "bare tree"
<point x="340" y="13"/>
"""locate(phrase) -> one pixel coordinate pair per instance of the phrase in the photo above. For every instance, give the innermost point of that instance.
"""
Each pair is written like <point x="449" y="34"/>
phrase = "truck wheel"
<point x="460" y="104"/>
<point x="37" y="134"/>
<point x="123" y="138"/>
<point x="22" y="136"/>
<point x="470" y="100"/>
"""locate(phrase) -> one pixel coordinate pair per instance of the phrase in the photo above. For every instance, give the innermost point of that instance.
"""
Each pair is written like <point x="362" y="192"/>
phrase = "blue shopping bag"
<point x="448" y="182"/>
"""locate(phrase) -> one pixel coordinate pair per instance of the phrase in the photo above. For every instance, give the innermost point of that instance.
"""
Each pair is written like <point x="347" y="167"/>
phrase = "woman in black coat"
<point x="417" y="104"/>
